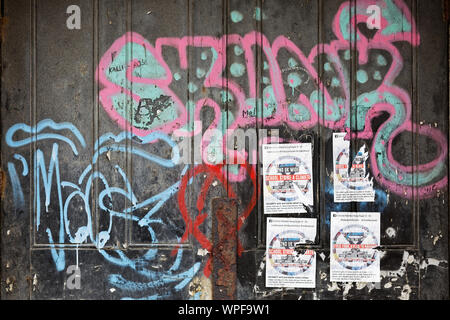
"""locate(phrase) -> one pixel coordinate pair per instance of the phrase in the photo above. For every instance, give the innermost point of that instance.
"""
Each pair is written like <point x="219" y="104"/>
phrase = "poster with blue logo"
<point x="354" y="256"/>
<point x="351" y="182"/>
<point x="287" y="178"/>
<point x="288" y="265"/>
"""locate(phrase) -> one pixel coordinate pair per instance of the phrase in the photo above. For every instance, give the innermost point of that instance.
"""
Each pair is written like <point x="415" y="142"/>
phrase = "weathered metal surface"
<point x="224" y="251"/>
<point x="93" y="121"/>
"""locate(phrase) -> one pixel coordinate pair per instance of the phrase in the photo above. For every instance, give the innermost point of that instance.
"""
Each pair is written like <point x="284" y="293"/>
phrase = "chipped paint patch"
<point x="322" y="256"/>
<point x="200" y="287"/>
<point x="35" y="282"/>
<point x="202" y="252"/>
<point x="391" y="233"/>
<point x="406" y="291"/>
<point x="333" y="287"/>
<point x="361" y="285"/>
<point x="347" y="287"/>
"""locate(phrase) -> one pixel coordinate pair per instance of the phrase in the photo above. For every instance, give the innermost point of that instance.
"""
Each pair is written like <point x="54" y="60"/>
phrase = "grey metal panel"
<point x="59" y="78"/>
<point x="15" y="108"/>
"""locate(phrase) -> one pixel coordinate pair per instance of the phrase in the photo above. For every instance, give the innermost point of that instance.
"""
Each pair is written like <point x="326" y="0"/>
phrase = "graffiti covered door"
<point x="132" y="132"/>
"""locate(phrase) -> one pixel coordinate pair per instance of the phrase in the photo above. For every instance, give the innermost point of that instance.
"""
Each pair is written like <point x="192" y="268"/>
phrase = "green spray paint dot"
<point x="237" y="69"/>
<point x="265" y="65"/>
<point x="335" y="82"/>
<point x="292" y="63"/>
<point x="192" y="87"/>
<point x="236" y="16"/>
<point x="347" y="55"/>
<point x="258" y="15"/>
<point x="226" y="96"/>
<point x="266" y="80"/>
<point x="176" y="76"/>
<point x="361" y="76"/>
<point x="204" y="55"/>
<point x="269" y="106"/>
<point x="294" y="81"/>
<point x="200" y="73"/>
<point x="377" y="75"/>
<point x="327" y="67"/>
<point x="238" y="50"/>
<point x="190" y="107"/>
<point x="381" y="60"/>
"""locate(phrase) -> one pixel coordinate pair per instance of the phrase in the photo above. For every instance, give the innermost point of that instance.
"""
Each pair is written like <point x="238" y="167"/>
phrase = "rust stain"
<point x="445" y="10"/>
<point x="4" y="21"/>
<point x="224" y="251"/>
<point x="2" y="183"/>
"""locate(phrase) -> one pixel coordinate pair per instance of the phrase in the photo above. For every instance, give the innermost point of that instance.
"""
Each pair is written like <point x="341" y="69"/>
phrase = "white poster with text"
<point x="354" y="256"/>
<point x="351" y="183"/>
<point x="287" y="178"/>
<point x="286" y="266"/>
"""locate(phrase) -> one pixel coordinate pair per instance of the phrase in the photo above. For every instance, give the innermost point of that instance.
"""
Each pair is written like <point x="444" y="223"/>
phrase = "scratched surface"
<point x="101" y="127"/>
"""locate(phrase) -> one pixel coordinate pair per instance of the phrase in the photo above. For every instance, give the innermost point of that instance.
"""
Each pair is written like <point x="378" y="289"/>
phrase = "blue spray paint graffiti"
<point x="51" y="179"/>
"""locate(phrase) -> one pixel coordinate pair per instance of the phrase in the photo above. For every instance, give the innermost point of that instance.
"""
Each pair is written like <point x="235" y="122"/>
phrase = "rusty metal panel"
<point x="224" y="250"/>
<point x="116" y="140"/>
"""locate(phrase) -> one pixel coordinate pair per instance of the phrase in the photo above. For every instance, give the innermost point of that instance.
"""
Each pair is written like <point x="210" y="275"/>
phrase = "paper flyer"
<point x="356" y="184"/>
<point x="353" y="253"/>
<point x="285" y="266"/>
<point x="287" y="177"/>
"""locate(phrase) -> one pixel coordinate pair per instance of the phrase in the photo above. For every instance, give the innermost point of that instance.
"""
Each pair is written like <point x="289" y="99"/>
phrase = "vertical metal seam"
<point x="353" y="87"/>
<point x="225" y="14"/>
<point x="2" y="8"/>
<point x="320" y="201"/>
<point x="32" y="147"/>
<point x="416" y="146"/>
<point x="447" y="8"/>
<point x="259" y="124"/>
<point x="188" y="95"/>
<point x="415" y="113"/>
<point x="129" y="128"/>
<point x="95" y="122"/>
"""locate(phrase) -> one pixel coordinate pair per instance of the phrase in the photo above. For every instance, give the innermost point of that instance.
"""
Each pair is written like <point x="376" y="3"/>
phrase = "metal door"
<point x="114" y="114"/>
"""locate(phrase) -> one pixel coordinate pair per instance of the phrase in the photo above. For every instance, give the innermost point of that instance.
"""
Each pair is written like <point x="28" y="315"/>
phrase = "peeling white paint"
<point x="202" y="252"/>
<point x="261" y="266"/>
<point x="405" y="292"/>
<point x="333" y="287"/>
<point x="400" y="272"/>
<point x="432" y="262"/>
<point x="391" y="233"/>
<point x="322" y="256"/>
<point x="361" y="285"/>
<point x="35" y="282"/>
<point x="347" y="288"/>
